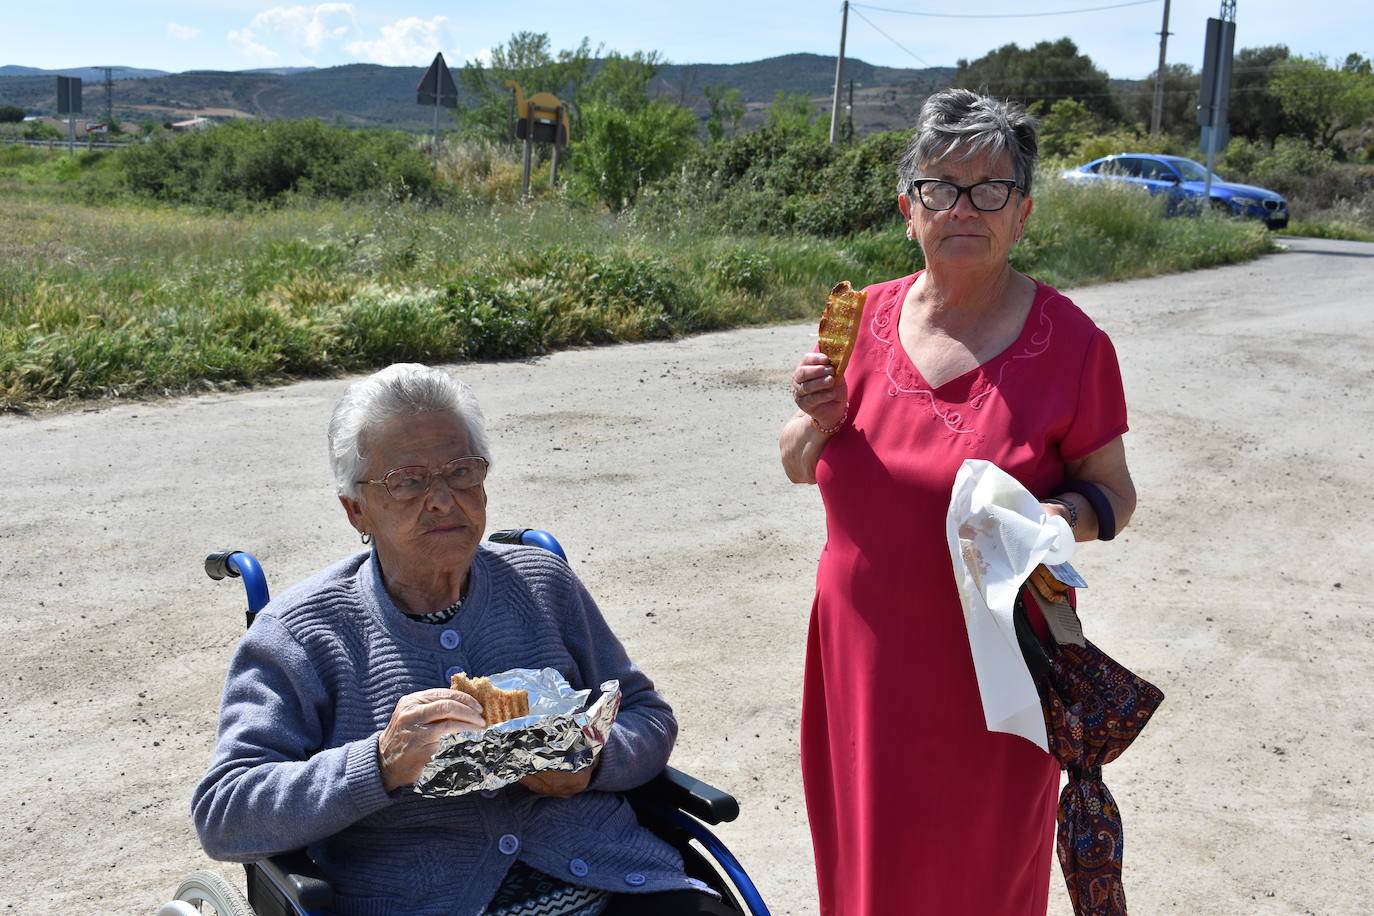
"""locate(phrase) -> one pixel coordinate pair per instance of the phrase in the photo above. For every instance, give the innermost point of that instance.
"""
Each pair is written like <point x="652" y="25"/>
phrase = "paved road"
<point x="1243" y="588"/>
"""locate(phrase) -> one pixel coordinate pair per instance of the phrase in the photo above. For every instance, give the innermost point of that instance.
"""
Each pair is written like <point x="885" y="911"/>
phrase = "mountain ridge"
<point x="374" y="95"/>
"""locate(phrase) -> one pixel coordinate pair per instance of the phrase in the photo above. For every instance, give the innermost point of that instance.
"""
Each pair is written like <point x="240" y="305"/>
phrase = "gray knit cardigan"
<point x="313" y="683"/>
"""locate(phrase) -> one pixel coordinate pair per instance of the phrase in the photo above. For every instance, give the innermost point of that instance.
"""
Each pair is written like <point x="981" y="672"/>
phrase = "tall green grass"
<point x="123" y="299"/>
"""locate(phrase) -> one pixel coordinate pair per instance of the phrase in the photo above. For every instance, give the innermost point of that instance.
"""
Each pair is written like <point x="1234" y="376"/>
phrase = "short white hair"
<point x="955" y="120"/>
<point x="399" y="390"/>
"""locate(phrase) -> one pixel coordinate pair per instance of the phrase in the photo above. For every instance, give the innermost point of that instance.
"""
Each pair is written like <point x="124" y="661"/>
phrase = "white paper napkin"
<point x="998" y="533"/>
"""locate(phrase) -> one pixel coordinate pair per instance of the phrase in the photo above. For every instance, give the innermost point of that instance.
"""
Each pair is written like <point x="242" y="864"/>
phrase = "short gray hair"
<point x="958" y="119"/>
<point x="399" y="390"/>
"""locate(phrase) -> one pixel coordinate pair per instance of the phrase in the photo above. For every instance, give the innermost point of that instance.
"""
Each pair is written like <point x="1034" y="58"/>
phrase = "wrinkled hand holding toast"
<point x="497" y="705"/>
<point x="840" y="324"/>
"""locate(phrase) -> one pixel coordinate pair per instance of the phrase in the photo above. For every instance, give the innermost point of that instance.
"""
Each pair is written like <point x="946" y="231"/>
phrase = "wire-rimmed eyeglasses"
<point x="414" y="481"/>
<point x="938" y="194"/>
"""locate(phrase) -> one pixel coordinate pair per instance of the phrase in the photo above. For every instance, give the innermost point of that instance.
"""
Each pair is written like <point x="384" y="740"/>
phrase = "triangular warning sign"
<point x="437" y="81"/>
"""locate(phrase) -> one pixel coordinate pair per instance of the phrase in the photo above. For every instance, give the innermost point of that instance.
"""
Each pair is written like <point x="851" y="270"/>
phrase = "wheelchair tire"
<point x="205" y="888"/>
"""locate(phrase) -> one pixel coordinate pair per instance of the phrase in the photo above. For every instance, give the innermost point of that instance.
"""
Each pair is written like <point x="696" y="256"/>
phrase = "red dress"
<point x="915" y="807"/>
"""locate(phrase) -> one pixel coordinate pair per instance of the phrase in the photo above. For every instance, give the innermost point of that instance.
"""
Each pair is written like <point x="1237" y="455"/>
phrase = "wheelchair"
<point x="673" y="805"/>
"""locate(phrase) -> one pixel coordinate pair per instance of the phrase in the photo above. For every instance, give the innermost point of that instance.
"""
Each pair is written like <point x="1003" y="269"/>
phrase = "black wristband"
<point x="1101" y="506"/>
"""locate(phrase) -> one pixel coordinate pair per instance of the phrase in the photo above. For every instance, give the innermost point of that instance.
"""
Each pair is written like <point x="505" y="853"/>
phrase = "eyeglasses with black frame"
<point x="989" y="196"/>
<point x="413" y="482"/>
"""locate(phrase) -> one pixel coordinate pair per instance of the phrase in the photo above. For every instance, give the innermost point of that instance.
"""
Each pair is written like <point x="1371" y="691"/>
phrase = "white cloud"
<point x="244" y="39"/>
<point x="182" y="32"/>
<point x="407" y="42"/>
<point x="302" y="28"/>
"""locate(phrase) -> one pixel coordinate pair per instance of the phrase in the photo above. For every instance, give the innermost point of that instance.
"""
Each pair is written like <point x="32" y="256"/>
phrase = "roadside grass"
<point x="126" y="299"/>
<point x="1331" y="229"/>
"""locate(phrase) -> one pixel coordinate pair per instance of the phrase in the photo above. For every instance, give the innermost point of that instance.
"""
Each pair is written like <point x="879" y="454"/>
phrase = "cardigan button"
<point x="508" y="844"/>
<point x="455" y="669"/>
<point x="449" y="639"/>
<point x="578" y="868"/>
<point x="635" y="879"/>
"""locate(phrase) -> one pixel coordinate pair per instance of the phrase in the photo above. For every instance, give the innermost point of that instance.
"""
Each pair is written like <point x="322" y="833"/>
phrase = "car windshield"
<point x="1191" y="171"/>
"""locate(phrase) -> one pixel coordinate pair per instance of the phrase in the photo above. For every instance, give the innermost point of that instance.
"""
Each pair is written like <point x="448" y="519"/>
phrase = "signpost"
<point x="438" y="89"/>
<point x="69" y="104"/>
<point x="541" y="118"/>
<point x="1214" y="99"/>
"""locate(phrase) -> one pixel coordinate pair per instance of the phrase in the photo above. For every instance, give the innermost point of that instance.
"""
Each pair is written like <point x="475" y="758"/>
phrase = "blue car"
<point x="1185" y="182"/>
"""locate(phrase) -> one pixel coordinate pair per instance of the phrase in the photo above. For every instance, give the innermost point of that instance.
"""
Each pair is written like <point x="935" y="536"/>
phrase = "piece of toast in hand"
<point x="840" y="324"/>
<point x="497" y="705"/>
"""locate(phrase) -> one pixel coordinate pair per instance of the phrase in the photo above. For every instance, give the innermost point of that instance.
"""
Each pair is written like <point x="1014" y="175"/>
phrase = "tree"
<point x="527" y="60"/>
<point x="1047" y="72"/>
<point x="1067" y="124"/>
<point x="1255" y="112"/>
<point x="1321" y="100"/>
<point x="9" y="114"/>
<point x="621" y="151"/>
<point x="1181" y="87"/>
<point x="621" y="81"/>
<point x="725" y="108"/>
<point x="628" y="140"/>
<point x="790" y="115"/>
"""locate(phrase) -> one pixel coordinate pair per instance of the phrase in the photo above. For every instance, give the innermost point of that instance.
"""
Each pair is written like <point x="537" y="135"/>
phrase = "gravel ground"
<point x="1243" y="587"/>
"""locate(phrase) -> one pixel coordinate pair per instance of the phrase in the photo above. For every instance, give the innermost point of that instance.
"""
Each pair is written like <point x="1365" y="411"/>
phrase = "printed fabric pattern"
<point x="1094" y="708"/>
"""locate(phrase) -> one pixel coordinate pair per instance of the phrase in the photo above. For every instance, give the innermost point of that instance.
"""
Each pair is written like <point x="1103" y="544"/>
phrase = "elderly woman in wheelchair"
<point x="332" y="708"/>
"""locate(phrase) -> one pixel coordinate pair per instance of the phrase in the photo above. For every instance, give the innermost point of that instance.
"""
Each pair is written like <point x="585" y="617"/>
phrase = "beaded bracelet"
<point x="831" y="430"/>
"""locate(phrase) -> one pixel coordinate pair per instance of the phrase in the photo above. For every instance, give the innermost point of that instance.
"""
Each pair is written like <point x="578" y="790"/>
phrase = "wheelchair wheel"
<point x="207" y="892"/>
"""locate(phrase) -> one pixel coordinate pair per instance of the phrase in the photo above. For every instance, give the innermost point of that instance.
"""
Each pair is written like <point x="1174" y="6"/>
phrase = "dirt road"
<point x="1243" y="588"/>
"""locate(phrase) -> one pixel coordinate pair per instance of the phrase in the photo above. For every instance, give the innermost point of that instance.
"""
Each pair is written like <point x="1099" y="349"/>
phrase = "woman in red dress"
<point x="915" y="807"/>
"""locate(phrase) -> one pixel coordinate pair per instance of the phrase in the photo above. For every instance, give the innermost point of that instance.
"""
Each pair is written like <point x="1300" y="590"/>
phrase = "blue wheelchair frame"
<point x="674" y="805"/>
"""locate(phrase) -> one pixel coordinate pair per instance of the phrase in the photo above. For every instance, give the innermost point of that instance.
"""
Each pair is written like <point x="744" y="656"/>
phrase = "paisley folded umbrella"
<point x="1094" y="708"/>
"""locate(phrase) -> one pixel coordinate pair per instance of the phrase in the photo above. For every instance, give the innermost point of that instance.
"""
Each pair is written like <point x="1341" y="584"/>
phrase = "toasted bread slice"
<point x="840" y="324"/>
<point x="497" y="705"/>
<point x="1050" y="588"/>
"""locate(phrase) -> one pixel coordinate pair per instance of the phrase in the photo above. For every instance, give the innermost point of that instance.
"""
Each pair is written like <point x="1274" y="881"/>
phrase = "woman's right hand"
<point x="822" y="403"/>
<point x="417" y="724"/>
<point x="815" y="391"/>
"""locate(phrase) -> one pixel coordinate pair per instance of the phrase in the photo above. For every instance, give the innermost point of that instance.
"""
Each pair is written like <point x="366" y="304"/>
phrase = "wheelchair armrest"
<point x="300" y="879"/>
<point x="674" y="789"/>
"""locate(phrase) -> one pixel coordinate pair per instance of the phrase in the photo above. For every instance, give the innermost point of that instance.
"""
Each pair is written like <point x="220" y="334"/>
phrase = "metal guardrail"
<point x="86" y="144"/>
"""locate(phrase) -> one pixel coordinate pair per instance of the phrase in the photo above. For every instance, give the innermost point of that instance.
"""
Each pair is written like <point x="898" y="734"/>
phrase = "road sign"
<point x="1214" y="97"/>
<point x="69" y="95"/>
<point x="437" y="86"/>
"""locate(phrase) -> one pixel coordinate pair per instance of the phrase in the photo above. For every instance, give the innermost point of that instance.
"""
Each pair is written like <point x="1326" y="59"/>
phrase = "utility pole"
<point x="849" y="115"/>
<point x="839" y="74"/>
<point x="1156" y="123"/>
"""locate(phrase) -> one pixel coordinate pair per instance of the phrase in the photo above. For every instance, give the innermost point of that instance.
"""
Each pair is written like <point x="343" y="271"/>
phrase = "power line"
<point x="1090" y="9"/>
<point x="884" y="34"/>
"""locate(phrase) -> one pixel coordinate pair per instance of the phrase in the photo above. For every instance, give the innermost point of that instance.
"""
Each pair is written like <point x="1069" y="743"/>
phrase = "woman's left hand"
<point x="559" y="783"/>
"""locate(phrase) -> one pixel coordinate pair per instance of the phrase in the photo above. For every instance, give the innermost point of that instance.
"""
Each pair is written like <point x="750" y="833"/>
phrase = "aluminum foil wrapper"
<point x="558" y="734"/>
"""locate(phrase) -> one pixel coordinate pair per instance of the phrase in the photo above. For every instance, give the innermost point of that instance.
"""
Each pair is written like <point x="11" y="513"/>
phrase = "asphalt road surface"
<point x="1243" y="587"/>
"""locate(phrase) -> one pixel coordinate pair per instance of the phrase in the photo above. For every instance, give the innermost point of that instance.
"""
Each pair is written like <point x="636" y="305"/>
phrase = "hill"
<point x="371" y="95"/>
<point x="85" y="74"/>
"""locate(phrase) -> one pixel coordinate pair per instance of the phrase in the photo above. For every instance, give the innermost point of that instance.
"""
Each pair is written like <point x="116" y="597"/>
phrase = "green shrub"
<point x="742" y="269"/>
<point x="252" y="162"/>
<point x="41" y="130"/>
<point x="623" y="150"/>
<point x="780" y="181"/>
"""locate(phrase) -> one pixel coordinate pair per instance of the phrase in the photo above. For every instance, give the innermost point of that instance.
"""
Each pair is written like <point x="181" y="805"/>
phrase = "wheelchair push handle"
<point x="531" y="537"/>
<point x="217" y="565"/>
<point x="239" y="564"/>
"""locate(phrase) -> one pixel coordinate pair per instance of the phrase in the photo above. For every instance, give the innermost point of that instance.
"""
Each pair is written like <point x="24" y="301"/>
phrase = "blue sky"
<point x="178" y="35"/>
